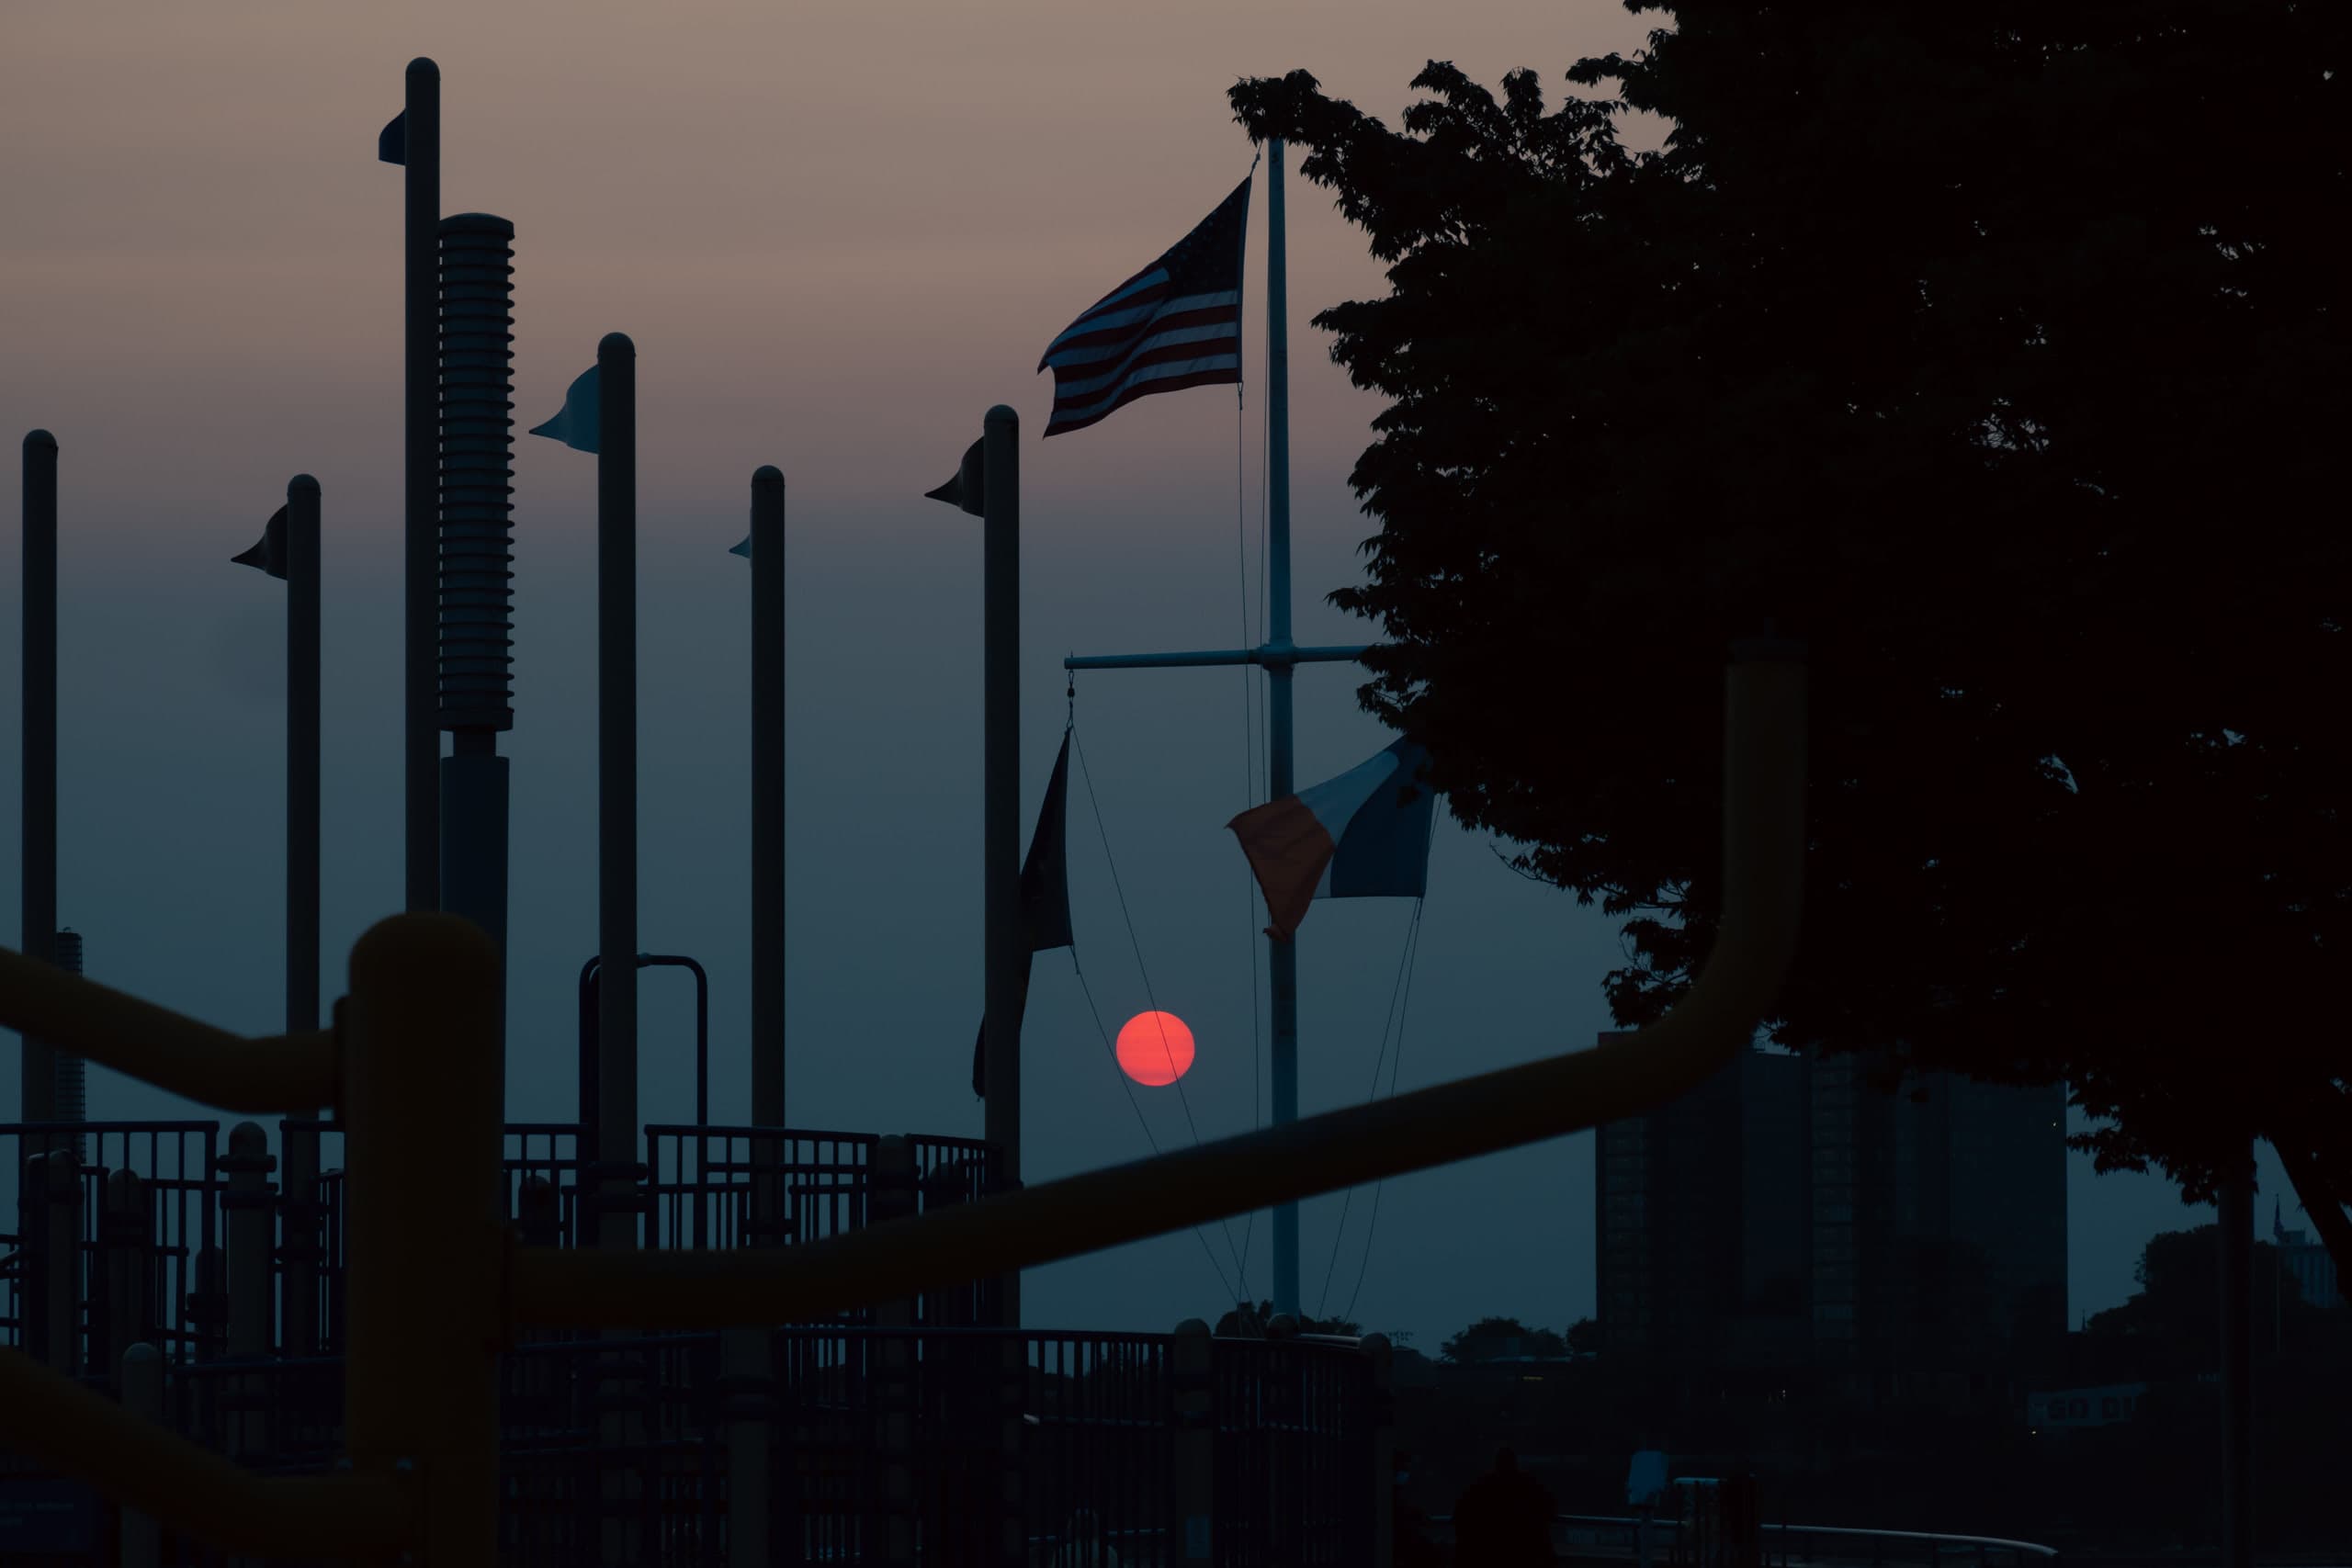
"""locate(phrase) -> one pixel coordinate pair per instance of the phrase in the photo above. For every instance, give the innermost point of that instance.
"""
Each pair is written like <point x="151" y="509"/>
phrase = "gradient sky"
<point x="838" y="232"/>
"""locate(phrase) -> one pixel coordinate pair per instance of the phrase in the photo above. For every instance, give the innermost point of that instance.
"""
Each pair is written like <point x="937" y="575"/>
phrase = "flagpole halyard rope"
<point x="1078" y="748"/>
<point x="1392" y="1026"/>
<point x="1397" y="1066"/>
<point x="1094" y="801"/>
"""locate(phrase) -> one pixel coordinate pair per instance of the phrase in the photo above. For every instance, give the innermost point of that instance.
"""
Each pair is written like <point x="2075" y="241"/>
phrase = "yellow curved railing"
<point x="435" y="1287"/>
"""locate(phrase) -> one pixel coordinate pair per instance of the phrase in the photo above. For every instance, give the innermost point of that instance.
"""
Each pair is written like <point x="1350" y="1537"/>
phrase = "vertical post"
<point x="2237" y="1237"/>
<point x="745" y="1362"/>
<point x="420" y="405"/>
<point x="55" y="1308"/>
<point x="1195" y="1442"/>
<point x="247" y="1219"/>
<point x="767" y="797"/>
<point x="1282" y="956"/>
<point x="141" y="1383"/>
<point x="617" y="783"/>
<point x="128" y="1245"/>
<point x="299" y="1194"/>
<point x="892" y="1197"/>
<point x="1001" y="800"/>
<point x="1375" y="1350"/>
<point x="475" y="608"/>
<point x="36" y="929"/>
<point x="421" y="1118"/>
<point x="72" y="1087"/>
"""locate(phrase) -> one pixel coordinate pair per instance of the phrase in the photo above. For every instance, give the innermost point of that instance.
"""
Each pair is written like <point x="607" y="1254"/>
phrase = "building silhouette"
<point x="1839" y="1213"/>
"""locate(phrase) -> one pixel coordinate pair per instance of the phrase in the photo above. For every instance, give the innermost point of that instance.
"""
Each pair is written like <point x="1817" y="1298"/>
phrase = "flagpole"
<point x="421" y="158"/>
<point x="302" y="1147"/>
<point x="36" y="934"/>
<point x="1282" y="956"/>
<point x="616" y="783"/>
<point x="767" y="797"/>
<point x="1003" y="948"/>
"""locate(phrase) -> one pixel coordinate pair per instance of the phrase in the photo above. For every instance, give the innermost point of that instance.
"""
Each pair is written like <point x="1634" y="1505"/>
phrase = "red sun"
<point x="1155" y="1049"/>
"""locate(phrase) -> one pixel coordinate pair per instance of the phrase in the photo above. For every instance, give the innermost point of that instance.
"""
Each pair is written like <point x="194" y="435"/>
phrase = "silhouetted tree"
<point x="2170" y="1327"/>
<point x="1492" y="1339"/>
<point x="2000" y="354"/>
<point x="1249" y="1322"/>
<point x="1584" y="1335"/>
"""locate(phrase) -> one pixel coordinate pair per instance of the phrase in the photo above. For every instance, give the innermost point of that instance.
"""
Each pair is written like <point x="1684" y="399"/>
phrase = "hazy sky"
<point x="838" y="232"/>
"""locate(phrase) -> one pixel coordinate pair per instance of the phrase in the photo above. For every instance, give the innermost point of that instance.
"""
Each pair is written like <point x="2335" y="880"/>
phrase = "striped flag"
<point x="1177" y="324"/>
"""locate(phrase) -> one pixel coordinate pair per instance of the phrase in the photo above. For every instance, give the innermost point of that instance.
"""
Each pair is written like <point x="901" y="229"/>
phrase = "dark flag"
<point x="1045" y="899"/>
<point x="1177" y="324"/>
<point x="391" y="143"/>
<point x="269" y="555"/>
<point x="969" y="488"/>
<point x="576" y="423"/>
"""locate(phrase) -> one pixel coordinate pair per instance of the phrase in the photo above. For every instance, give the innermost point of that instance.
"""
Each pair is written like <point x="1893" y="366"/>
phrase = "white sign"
<point x="2077" y="1407"/>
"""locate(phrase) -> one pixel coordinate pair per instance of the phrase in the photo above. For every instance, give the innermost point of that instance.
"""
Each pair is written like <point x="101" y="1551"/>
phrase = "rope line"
<point x="1111" y="1052"/>
<point x="1395" y="1066"/>
<point x="1390" y="1027"/>
<point x="1079" y="747"/>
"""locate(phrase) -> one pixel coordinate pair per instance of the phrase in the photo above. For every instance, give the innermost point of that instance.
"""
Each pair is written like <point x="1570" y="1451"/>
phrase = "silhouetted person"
<point x="1503" y="1519"/>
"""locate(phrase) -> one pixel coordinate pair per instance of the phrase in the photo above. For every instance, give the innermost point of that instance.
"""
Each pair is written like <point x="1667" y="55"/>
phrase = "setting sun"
<point x="1155" y="1049"/>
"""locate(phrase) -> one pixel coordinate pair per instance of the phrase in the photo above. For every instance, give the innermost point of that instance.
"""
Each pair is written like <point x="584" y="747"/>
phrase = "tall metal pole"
<point x="302" y="1145"/>
<point x="1282" y="956"/>
<point x="475" y="557"/>
<point x="1001" y="800"/>
<point x="616" y="779"/>
<point x="420" y="404"/>
<point x="37" y="931"/>
<point x="2237" y="1237"/>
<point x="767" y="797"/>
<point x="302" y="754"/>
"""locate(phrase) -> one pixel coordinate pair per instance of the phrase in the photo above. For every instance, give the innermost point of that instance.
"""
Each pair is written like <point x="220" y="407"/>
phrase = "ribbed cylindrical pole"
<point x="421" y="413"/>
<point x="72" y="1072"/>
<point x="767" y="797"/>
<point x="476" y="549"/>
<point x="36" y="925"/>
<point x="616" y="778"/>
<point x="1001" y="800"/>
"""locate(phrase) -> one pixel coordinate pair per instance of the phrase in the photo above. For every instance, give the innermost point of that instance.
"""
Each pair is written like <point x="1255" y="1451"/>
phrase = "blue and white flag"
<point x="576" y="425"/>
<point x="1177" y="324"/>
<point x="1362" y="835"/>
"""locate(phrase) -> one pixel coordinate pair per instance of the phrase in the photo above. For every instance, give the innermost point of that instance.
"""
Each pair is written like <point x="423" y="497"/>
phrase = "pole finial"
<point x="39" y="438"/>
<point x="1002" y="414"/>
<point x="304" y="482"/>
<point x="615" y="344"/>
<point x="768" y="474"/>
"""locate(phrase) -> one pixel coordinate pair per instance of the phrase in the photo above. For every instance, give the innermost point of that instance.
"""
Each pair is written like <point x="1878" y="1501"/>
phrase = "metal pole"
<point x="1282" y="956"/>
<point x="299" y="1192"/>
<point x="302" y="754"/>
<point x="37" y="931"/>
<point x="421" y="251"/>
<point x="767" y="797"/>
<point x="2236" y="1236"/>
<point x="617" y="780"/>
<point x="1000" y="801"/>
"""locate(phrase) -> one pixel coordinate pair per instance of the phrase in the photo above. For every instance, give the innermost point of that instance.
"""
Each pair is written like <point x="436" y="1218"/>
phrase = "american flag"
<point x="1177" y="324"/>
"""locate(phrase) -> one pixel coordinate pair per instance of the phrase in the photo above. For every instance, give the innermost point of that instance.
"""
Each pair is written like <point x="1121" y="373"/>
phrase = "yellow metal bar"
<point x="286" y="1073"/>
<point x="1763" y="862"/>
<point x="423" y="1204"/>
<point x="82" y="1434"/>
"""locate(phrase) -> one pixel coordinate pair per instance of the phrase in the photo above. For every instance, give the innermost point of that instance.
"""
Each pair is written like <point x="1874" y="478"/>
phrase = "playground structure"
<point x="438" y="1278"/>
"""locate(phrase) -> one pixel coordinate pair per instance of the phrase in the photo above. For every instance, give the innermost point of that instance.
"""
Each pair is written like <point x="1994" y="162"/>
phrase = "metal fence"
<point x="874" y="1444"/>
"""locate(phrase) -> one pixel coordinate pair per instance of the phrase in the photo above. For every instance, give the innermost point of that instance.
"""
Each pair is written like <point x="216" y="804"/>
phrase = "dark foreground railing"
<point x="1594" y="1538"/>
<point x="859" y="1444"/>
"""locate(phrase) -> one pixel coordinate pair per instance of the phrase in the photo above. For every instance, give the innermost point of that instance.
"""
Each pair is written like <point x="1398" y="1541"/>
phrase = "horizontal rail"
<point x="170" y="1050"/>
<point x="1763" y="861"/>
<point x="161" y="1474"/>
<point x="1269" y="654"/>
<point x="1670" y="1525"/>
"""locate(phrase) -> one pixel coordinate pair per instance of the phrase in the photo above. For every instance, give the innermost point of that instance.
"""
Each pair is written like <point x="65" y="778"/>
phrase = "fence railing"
<point x="869" y="1434"/>
<point x="1597" y="1536"/>
<point x="134" y="1247"/>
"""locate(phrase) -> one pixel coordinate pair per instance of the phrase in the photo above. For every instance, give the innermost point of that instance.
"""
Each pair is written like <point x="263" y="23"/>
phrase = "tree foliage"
<point x="1496" y="1338"/>
<point x="2000" y="354"/>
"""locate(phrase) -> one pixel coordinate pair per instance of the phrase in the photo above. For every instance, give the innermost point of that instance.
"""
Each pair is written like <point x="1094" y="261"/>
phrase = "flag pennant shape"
<point x="269" y="555"/>
<point x="1045" y="899"/>
<point x="576" y="425"/>
<point x="743" y="549"/>
<point x="1177" y="324"/>
<point x="391" y="143"/>
<point x="969" y="488"/>
<point x="1364" y="834"/>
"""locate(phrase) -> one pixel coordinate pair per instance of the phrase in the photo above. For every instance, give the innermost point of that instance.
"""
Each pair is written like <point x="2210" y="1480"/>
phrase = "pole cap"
<point x="766" y="476"/>
<point x="1002" y="414"/>
<point x="615" y="344"/>
<point x="35" y="438"/>
<point x="302" y="482"/>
